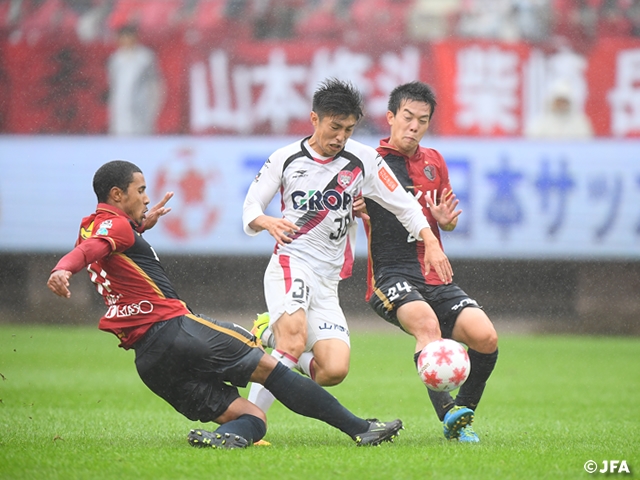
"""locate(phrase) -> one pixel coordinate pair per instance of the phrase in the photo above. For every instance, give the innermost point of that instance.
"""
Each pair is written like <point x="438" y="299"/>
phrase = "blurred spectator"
<point x="46" y="17"/>
<point x="633" y="14"/>
<point x="576" y="21"/>
<point x="613" y="20"/>
<point x="505" y="20"/>
<point x="491" y="19"/>
<point x="275" y="19"/>
<point x="10" y="13"/>
<point x="214" y="20"/>
<point x="561" y="118"/>
<point x="135" y="86"/>
<point x="381" y="22"/>
<point x="92" y="17"/>
<point x="533" y="19"/>
<point x="324" y="19"/>
<point x="429" y="20"/>
<point x="35" y="19"/>
<point x="152" y="17"/>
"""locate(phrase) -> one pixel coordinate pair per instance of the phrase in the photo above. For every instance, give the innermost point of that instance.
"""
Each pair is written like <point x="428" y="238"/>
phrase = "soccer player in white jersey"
<point x="319" y="178"/>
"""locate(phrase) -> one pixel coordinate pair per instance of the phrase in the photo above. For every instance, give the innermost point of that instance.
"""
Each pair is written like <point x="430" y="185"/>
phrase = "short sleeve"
<point x="117" y="231"/>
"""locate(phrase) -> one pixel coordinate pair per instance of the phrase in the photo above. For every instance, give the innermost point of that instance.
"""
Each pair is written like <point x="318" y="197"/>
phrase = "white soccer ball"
<point x="443" y="365"/>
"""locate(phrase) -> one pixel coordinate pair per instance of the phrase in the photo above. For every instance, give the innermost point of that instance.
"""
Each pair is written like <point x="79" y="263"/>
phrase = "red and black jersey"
<point x="131" y="279"/>
<point x="392" y="250"/>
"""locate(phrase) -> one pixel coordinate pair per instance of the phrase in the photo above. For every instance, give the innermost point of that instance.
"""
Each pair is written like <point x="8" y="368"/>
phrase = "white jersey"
<point x="317" y="196"/>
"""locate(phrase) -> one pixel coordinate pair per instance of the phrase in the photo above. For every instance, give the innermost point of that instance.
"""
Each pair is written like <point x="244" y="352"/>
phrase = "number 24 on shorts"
<point x="395" y="291"/>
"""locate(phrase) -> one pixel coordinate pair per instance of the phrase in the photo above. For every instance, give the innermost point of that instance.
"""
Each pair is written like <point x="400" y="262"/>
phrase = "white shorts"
<point x="290" y="284"/>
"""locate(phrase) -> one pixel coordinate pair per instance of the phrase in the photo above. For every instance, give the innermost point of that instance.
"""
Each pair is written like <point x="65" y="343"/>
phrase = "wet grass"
<point x="72" y="406"/>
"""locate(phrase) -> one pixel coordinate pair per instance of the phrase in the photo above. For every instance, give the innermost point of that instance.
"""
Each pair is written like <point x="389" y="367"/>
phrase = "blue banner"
<point x="520" y="199"/>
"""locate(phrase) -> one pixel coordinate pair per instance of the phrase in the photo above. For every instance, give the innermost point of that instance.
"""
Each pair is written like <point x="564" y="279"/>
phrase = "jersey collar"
<point x="390" y="149"/>
<point x="105" y="207"/>
<point x="310" y="155"/>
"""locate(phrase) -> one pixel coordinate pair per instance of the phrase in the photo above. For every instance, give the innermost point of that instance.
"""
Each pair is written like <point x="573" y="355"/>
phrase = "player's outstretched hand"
<point x="445" y="213"/>
<point x="157" y="211"/>
<point x="59" y="283"/>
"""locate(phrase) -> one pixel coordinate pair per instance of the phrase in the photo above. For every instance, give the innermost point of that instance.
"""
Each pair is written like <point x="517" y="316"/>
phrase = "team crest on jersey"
<point x="345" y="177"/>
<point x="86" y="232"/>
<point x="104" y="227"/>
<point x="430" y="172"/>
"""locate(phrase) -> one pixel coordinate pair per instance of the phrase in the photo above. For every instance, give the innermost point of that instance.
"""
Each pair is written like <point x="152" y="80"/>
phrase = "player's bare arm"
<point x="157" y="211"/>
<point x="445" y="213"/>
<point x="58" y="283"/>
<point x="278" y="228"/>
<point x="435" y="257"/>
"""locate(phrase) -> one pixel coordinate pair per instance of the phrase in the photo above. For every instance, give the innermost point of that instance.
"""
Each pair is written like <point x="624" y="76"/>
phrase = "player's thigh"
<point x="448" y="302"/>
<point x="286" y="287"/>
<point x="474" y="328"/>
<point x="418" y="318"/>
<point x="332" y="357"/>
<point x="177" y="375"/>
<point x="221" y="349"/>
<point x="390" y="294"/>
<point x="325" y="318"/>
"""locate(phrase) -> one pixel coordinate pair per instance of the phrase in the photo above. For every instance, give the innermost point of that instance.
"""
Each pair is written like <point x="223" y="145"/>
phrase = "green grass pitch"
<point x="72" y="406"/>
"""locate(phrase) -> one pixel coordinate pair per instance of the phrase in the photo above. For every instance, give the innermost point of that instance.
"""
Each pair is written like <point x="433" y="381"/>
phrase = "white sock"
<point x="267" y="338"/>
<point x="259" y="395"/>
<point x="305" y="363"/>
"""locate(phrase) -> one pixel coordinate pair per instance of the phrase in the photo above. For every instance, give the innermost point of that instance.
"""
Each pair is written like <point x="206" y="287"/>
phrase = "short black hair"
<point x="117" y="173"/>
<point x="337" y="98"/>
<point x="413" y="91"/>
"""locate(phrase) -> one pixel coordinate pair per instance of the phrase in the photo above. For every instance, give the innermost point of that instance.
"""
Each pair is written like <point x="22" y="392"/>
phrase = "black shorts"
<point x="447" y="301"/>
<point x="196" y="364"/>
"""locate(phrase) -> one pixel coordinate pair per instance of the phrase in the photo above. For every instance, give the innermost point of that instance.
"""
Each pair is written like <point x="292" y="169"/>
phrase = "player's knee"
<point x="328" y="377"/>
<point x="427" y="329"/>
<point x="487" y="341"/>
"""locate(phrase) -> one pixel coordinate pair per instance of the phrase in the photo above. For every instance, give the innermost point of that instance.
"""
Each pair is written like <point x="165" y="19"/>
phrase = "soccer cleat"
<point x="379" y="432"/>
<point x="467" y="435"/>
<point x="260" y="324"/>
<point x="455" y="420"/>
<point x="204" y="439"/>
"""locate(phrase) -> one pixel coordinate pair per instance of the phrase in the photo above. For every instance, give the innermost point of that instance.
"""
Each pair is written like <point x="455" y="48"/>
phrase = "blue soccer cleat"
<point x="468" y="435"/>
<point x="455" y="420"/>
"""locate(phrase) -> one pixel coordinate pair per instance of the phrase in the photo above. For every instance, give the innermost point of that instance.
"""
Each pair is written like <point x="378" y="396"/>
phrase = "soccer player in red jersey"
<point x="193" y="362"/>
<point x="400" y="289"/>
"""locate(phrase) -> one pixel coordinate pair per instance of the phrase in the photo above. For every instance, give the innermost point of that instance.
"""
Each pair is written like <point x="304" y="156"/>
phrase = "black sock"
<point x="247" y="426"/>
<point x="482" y="364"/>
<point x="305" y="397"/>
<point x="442" y="401"/>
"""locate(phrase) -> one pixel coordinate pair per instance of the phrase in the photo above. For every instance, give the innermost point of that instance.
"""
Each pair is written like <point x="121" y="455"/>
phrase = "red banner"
<point x="483" y="88"/>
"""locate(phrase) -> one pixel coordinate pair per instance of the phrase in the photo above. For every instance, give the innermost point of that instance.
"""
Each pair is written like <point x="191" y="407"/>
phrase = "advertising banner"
<point x="520" y="199"/>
